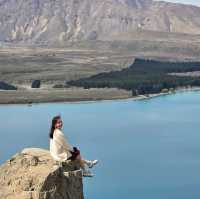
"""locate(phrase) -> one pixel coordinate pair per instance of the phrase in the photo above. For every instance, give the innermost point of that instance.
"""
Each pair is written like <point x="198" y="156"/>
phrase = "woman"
<point x="61" y="150"/>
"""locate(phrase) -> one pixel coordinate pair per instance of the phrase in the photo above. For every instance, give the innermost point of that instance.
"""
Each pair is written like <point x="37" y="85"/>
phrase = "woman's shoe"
<point x="87" y="173"/>
<point x="92" y="163"/>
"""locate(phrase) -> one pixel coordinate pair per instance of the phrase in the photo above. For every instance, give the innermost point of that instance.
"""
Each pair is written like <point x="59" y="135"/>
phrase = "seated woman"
<point x="61" y="150"/>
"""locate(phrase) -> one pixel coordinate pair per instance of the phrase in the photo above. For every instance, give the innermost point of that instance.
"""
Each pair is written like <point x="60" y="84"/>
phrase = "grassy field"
<point x="61" y="95"/>
<point x="21" y="65"/>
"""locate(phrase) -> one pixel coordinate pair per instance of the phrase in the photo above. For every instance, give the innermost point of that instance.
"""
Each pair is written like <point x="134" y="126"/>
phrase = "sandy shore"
<point x="75" y="95"/>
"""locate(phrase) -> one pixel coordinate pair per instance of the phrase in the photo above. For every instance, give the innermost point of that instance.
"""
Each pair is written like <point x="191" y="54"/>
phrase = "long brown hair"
<point x="54" y="121"/>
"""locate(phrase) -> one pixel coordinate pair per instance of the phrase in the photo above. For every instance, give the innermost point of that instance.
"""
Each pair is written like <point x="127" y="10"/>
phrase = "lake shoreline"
<point x="18" y="98"/>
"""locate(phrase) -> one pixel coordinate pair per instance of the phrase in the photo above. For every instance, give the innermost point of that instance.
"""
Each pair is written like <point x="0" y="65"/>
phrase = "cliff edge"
<point x="33" y="174"/>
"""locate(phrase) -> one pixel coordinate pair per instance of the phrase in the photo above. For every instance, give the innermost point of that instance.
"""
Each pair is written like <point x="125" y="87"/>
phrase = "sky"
<point x="193" y="2"/>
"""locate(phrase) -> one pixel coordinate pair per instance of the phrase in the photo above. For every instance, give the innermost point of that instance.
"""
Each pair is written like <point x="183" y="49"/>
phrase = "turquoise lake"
<point x="148" y="149"/>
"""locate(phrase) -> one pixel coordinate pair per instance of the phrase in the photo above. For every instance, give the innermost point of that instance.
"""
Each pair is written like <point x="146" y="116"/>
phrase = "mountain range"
<point x="63" y="21"/>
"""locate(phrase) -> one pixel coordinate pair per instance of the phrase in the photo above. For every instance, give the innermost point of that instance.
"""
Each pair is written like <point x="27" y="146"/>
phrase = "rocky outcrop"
<point x="33" y="174"/>
<point x="60" y="21"/>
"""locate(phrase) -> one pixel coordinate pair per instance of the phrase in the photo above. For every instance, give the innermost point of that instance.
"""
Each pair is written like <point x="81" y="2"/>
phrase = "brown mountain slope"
<point x="60" y="21"/>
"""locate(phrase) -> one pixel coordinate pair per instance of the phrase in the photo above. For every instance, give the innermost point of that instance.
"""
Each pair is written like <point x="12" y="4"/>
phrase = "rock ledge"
<point x="33" y="174"/>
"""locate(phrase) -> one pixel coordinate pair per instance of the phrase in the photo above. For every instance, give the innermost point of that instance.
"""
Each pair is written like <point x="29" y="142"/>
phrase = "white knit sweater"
<point x="59" y="147"/>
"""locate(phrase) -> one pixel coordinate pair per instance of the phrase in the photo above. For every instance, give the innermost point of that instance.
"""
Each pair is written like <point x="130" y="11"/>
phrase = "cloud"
<point x="192" y="2"/>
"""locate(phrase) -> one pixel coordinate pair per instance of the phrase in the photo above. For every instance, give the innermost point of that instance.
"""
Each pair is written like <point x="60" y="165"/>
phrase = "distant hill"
<point x="61" y="21"/>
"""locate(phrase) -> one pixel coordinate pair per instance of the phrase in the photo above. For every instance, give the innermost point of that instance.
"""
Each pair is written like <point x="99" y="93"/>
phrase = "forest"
<point x="144" y="77"/>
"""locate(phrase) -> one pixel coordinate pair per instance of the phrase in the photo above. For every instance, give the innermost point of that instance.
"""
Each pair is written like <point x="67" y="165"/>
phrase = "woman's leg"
<point x="83" y="163"/>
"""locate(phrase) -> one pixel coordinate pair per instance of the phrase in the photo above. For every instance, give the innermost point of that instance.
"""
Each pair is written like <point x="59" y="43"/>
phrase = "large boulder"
<point x="33" y="174"/>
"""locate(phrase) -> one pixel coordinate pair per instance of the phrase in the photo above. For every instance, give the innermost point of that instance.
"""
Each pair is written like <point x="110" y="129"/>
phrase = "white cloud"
<point x="192" y="2"/>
